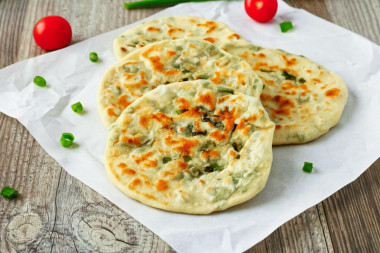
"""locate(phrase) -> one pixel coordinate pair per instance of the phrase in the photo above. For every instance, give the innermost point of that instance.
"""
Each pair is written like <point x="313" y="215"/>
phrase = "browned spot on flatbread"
<point x="208" y="99"/>
<point x="170" y="53"/>
<point x="211" y="25"/>
<point x="130" y="140"/>
<point x="132" y="185"/>
<point x="156" y="63"/>
<point x="153" y="29"/>
<point x="142" y="157"/>
<point x="122" y="102"/>
<point x="186" y="146"/>
<point x="235" y="35"/>
<point x="184" y="104"/>
<point x="162" y="118"/>
<point x="111" y="113"/>
<point x="174" y="30"/>
<point x="125" y="170"/>
<point x="332" y="92"/>
<point x="209" y="39"/>
<point x="162" y="185"/>
<point x="150" y="164"/>
<point x="289" y="62"/>
<point x="144" y="121"/>
<point x="217" y="135"/>
<point x="261" y="55"/>
<point x="284" y="105"/>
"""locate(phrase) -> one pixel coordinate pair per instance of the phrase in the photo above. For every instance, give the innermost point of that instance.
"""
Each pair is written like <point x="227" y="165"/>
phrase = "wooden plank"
<point x="353" y="214"/>
<point x="56" y="212"/>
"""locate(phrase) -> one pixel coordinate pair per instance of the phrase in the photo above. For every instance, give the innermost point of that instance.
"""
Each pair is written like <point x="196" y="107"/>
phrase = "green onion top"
<point x="67" y="140"/>
<point x="307" y="167"/>
<point x="9" y="193"/>
<point x="156" y="3"/>
<point x="94" y="57"/>
<point x="39" y="81"/>
<point x="286" y="26"/>
<point x="77" y="107"/>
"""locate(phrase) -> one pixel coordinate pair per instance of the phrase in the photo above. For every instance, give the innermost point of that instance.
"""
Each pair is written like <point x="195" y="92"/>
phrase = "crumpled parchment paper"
<point x="339" y="157"/>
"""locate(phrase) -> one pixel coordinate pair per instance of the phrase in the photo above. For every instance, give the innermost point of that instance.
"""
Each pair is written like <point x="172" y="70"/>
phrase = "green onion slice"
<point x="187" y="158"/>
<point x="226" y="90"/>
<point x="67" y="140"/>
<point x="214" y="167"/>
<point x="9" y="193"/>
<point x="307" y="167"/>
<point x="166" y="159"/>
<point x="302" y="80"/>
<point x="39" y="81"/>
<point x="288" y="76"/>
<point x="94" y="57"/>
<point x="286" y="26"/>
<point x="77" y="107"/>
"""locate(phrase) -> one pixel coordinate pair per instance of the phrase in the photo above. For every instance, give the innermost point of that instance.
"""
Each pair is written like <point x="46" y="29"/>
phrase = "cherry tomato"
<point x="261" y="10"/>
<point x="52" y="32"/>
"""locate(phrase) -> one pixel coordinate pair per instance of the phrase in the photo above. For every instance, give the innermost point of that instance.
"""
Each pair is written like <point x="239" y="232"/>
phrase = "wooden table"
<point x="56" y="212"/>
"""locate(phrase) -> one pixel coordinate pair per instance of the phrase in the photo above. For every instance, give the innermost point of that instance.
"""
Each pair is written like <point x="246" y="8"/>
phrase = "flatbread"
<point x="189" y="147"/>
<point x="176" y="27"/>
<point x="302" y="98"/>
<point x="171" y="61"/>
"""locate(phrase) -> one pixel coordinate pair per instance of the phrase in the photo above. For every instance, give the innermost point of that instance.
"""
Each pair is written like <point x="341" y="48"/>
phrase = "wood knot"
<point x="102" y="229"/>
<point x="24" y="228"/>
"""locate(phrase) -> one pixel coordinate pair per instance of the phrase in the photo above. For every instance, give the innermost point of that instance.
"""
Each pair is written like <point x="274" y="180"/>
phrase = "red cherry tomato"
<point x="261" y="10"/>
<point x="52" y="32"/>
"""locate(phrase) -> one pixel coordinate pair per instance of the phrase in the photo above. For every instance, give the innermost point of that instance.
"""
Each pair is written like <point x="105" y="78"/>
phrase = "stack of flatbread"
<point x="193" y="110"/>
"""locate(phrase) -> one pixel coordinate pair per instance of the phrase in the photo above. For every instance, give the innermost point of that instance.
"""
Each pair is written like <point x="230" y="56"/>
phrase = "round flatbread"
<point x="171" y="61"/>
<point x="169" y="28"/>
<point x="190" y="147"/>
<point x="302" y="98"/>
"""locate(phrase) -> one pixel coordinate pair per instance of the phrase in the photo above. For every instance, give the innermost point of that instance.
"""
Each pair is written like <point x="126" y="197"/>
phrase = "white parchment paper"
<point x="339" y="157"/>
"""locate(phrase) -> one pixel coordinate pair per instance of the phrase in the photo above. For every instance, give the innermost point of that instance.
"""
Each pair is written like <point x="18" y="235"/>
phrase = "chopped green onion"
<point x="288" y="76"/>
<point x="209" y="145"/>
<point x="39" y="81"/>
<point x="226" y="90"/>
<point x="307" y="167"/>
<point x="236" y="177"/>
<point x="187" y="158"/>
<point x="156" y="3"/>
<point x="166" y="159"/>
<point x="9" y="193"/>
<point x="180" y="111"/>
<point x="213" y="167"/>
<point x="286" y="26"/>
<point x="94" y="57"/>
<point x="77" y="107"/>
<point x="67" y="140"/>
<point x="301" y="80"/>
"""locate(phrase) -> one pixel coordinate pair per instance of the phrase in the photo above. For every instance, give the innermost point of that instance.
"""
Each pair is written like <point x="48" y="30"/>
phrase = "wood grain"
<point x="56" y="212"/>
